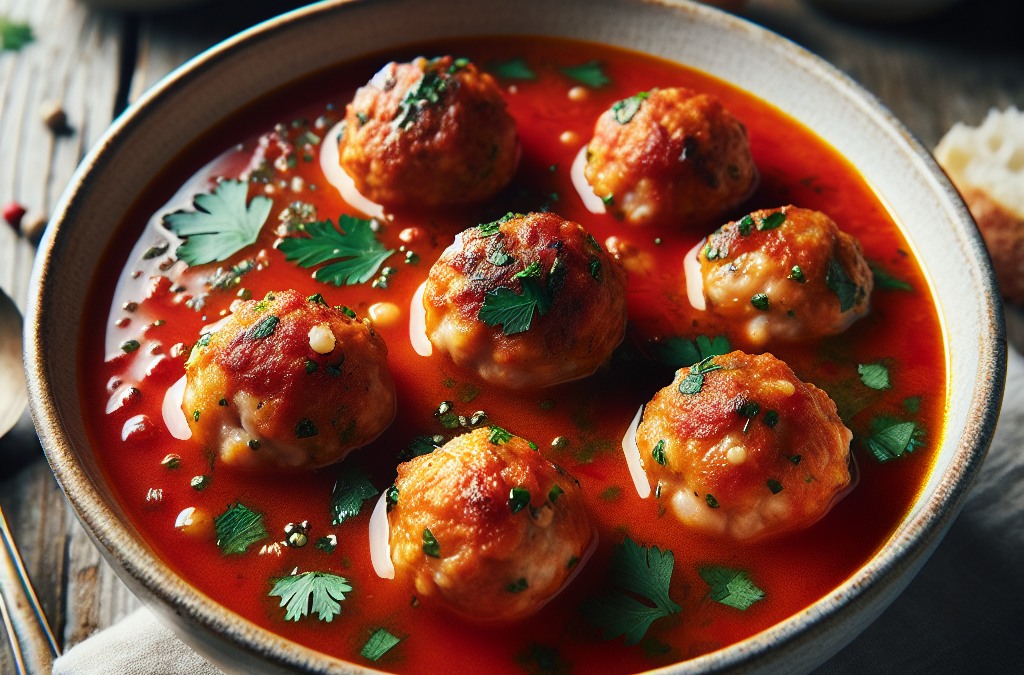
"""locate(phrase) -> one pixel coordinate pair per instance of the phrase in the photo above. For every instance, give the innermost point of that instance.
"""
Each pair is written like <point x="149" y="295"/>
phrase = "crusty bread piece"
<point x="986" y="164"/>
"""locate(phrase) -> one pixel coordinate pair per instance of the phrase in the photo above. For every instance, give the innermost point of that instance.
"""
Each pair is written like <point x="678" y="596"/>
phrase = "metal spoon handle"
<point x="26" y="624"/>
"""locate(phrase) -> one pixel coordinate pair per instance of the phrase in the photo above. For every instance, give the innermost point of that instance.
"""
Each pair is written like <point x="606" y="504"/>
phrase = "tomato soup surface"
<point x="161" y="306"/>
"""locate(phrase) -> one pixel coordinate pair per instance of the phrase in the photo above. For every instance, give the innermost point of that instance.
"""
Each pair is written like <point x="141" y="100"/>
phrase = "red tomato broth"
<point x="794" y="571"/>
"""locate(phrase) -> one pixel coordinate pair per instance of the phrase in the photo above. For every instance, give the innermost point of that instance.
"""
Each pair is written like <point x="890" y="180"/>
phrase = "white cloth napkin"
<point x="962" y="614"/>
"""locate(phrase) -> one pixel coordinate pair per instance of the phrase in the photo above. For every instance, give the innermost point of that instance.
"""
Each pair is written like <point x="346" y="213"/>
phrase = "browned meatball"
<point x="670" y="155"/>
<point x="741" y="447"/>
<point x="788" y="273"/>
<point x="288" y="382"/>
<point x="429" y="133"/>
<point x="526" y="301"/>
<point x="487" y="526"/>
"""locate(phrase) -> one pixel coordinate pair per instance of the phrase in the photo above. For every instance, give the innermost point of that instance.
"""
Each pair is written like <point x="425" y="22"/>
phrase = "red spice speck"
<point x="13" y="213"/>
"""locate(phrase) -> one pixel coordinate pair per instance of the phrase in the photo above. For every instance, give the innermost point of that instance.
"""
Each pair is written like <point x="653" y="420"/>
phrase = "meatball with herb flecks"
<point x="526" y="301"/>
<point x="788" y="274"/>
<point x="738" y="446"/>
<point x="486" y="526"/>
<point x="670" y="156"/>
<point x="429" y="133"/>
<point x="288" y="382"/>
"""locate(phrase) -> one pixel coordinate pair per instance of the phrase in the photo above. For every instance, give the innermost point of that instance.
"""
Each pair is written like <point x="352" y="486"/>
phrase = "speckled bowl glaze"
<point x="222" y="80"/>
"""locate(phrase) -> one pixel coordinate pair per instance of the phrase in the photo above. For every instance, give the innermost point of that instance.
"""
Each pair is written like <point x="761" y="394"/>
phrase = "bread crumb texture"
<point x="986" y="163"/>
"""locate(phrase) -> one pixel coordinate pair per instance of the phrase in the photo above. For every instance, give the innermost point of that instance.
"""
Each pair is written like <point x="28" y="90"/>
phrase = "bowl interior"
<point x="221" y="81"/>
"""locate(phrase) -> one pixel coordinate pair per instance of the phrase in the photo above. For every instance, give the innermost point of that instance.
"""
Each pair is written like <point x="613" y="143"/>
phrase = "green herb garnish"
<point x="886" y="281"/>
<point x="874" y="375"/>
<point x="306" y="429"/>
<point x="589" y="73"/>
<point x="318" y="592"/>
<point x="427" y="91"/>
<point x="637" y="570"/>
<point x="774" y="485"/>
<point x="712" y="502"/>
<point x="624" y="110"/>
<point x="430" y="545"/>
<point x="555" y="493"/>
<point x="840" y="284"/>
<point x="771" y="418"/>
<point x="658" y="453"/>
<point x="238" y="528"/>
<point x="263" y="329"/>
<point x="499" y="436"/>
<point x="221" y="224"/>
<point x="892" y="438"/>
<point x="760" y="301"/>
<point x="771" y="221"/>
<point x="515" y="69"/>
<point x="514" y="312"/>
<point x="731" y="587"/>
<point x="357" y="244"/>
<point x="14" y="34"/>
<point x="694" y="381"/>
<point x="379" y="644"/>
<point x="421" y="445"/>
<point x="518" y="499"/>
<point x="744" y="224"/>
<point x="797" y="275"/>
<point x="517" y="586"/>
<point x="351" y="489"/>
<point x="679" y="353"/>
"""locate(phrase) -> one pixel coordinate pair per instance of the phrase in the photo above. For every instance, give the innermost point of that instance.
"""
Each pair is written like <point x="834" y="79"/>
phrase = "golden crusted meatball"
<point x="288" y="382"/>
<point x="788" y="273"/>
<point x="487" y="526"/>
<point x="742" y="448"/>
<point x="526" y="301"/>
<point x="429" y="133"/>
<point x="670" y="155"/>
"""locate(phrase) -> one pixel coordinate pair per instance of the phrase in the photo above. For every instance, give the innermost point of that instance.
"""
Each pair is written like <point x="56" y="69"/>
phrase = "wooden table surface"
<point x="930" y="73"/>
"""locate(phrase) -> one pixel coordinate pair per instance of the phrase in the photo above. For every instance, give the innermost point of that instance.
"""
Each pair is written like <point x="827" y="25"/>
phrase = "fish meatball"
<point x="526" y="301"/>
<point x="670" y="155"/>
<point x="487" y="526"/>
<point x="789" y="274"/>
<point x="288" y="382"/>
<point x="429" y="133"/>
<point x="741" y="448"/>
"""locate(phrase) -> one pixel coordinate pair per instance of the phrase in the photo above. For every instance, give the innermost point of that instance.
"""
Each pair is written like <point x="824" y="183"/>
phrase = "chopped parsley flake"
<point x="679" y="353"/>
<point x="379" y="644"/>
<point x="771" y="418"/>
<point x="517" y="586"/>
<point x="430" y="545"/>
<point x="518" y="499"/>
<point x="712" y="502"/>
<point x="840" y="284"/>
<point x="760" y="301"/>
<point x="129" y="346"/>
<point x="555" y="493"/>
<point x="238" y="528"/>
<point x="891" y="438"/>
<point x="427" y="91"/>
<point x="634" y="569"/>
<point x="351" y="489"/>
<point x="421" y="445"/>
<point x="493" y="228"/>
<point x="624" y="110"/>
<point x="874" y="375"/>
<point x="771" y="221"/>
<point x="744" y="224"/>
<point x="886" y="281"/>
<point x="306" y="429"/>
<point x="794" y="458"/>
<point x="731" y="587"/>
<point x="514" y="312"/>
<point x="320" y="593"/>
<point x="774" y="485"/>
<point x="912" y="404"/>
<point x="515" y="69"/>
<point x="363" y="254"/>
<point x="589" y="73"/>
<point x="694" y="381"/>
<point x="221" y="224"/>
<point x="499" y="436"/>
<point x="14" y="35"/>
<point x="263" y="329"/>
<point x="595" y="269"/>
<point x="658" y="453"/>
<point x="797" y="275"/>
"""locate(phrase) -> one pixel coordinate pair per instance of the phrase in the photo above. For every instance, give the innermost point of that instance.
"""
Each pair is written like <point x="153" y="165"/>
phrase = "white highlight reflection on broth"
<point x="336" y="176"/>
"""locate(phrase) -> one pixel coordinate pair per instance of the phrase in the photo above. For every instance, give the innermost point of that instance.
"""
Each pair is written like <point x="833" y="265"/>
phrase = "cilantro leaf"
<point x="731" y="587"/>
<point x="14" y="35"/>
<point x="886" y="281"/>
<point x="634" y="569"/>
<point x="515" y="69"/>
<point x="892" y="438"/>
<point x="624" y="110"/>
<point x="356" y="243"/>
<point x="840" y="284"/>
<point x="379" y="644"/>
<point x="588" y="73"/>
<point x="421" y="445"/>
<point x="221" y="225"/>
<point x="317" y="592"/>
<point x="351" y="489"/>
<point x="238" y="528"/>
<point x="874" y="375"/>
<point x="515" y="312"/>
<point x="679" y="353"/>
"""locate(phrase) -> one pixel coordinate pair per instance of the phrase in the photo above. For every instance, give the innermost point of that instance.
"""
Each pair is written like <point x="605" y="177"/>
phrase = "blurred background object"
<point x="883" y="10"/>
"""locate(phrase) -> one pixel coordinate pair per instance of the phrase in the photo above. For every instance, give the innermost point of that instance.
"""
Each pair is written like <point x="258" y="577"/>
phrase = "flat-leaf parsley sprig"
<point x="221" y="224"/>
<point x="358" y="252"/>
<point x="646" y="572"/>
<point x="318" y="592"/>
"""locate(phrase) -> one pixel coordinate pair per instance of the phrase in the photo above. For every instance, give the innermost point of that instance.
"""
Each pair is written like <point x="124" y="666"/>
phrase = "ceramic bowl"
<point x="220" y="81"/>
